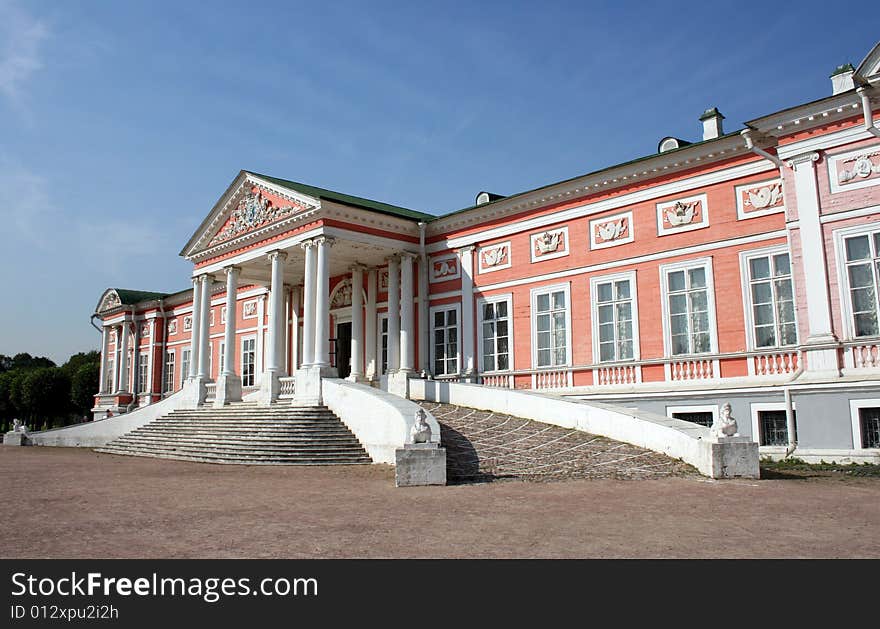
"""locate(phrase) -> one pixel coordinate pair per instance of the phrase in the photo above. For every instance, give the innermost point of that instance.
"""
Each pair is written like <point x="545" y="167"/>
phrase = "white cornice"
<point x="589" y="209"/>
<point x="811" y="115"/>
<point x="663" y="164"/>
<point x="856" y="133"/>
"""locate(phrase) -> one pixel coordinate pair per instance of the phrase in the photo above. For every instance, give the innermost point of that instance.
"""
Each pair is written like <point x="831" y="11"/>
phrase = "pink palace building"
<point x="743" y="267"/>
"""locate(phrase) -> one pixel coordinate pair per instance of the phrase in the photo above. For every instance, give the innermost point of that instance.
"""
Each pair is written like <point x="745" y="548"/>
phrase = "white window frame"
<point x="594" y="313"/>
<point x="143" y="369"/>
<point x="241" y="350"/>
<point x="185" y="359"/>
<point x="697" y="408"/>
<point x="380" y="368"/>
<point x="561" y="252"/>
<point x="110" y="376"/>
<point x="445" y="308"/>
<point x="662" y="206"/>
<point x="533" y="322"/>
<point x="755" y="409"/>
<point x="169" y="373"/>
<point x="748" y="310"/>
<point x="840" y="236"/>
<point x="490" y="269"/>
<point x="854" y="407"/>
<point x="665" y="269"/>
<point x="494" y="299"/>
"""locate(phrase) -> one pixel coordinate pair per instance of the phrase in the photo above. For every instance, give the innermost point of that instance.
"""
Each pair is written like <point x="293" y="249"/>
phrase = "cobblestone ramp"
<point x="483" y="446"/>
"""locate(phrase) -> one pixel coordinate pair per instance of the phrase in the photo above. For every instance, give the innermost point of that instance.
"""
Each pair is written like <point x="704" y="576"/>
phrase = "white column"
<point x="424" y="327"/>
<point x="322" y="302"/>
<point x="136" y="360"/>
<point x="467" y="309"/>
<point x="308" y="357"/>
<point x="229" y="330"/>
<point x="371" y="319"/>
<point x="407" y="319"/>
<point x="393" y="314"/>
<point x="123" y="358"/>
<point x="151" y="377"/>
<point x="295" y="303"/>
<point x="117" y="358"/>
<point x="276" y="312"/>
<point x="357" y="322"/>
<point x="205" y="328"/>
<point x="194" y="329"/>
<point x="105" y="349"/>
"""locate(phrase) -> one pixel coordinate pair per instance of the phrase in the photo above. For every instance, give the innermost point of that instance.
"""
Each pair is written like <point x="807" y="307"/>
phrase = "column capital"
<point x="307" y="244"/>
<point x="803" y="158"/>
<point x="394" y="257"/>
<point x="408" y="254"/>
<point x="277" y="254"/>
<point x="358" y="267"/>
<point x="466" y="249"/>
<point x="327" y="241"/>
<point x="229" y="270"/>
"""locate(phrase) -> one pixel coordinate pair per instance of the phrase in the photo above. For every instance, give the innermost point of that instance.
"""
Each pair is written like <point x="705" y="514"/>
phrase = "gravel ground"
<point x="66" y="502"/>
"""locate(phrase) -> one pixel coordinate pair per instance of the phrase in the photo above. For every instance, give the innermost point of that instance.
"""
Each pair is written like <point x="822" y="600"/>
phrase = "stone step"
<point x="246" y="452"/>
<point x="280" y="431"/>
<point x="285" y="442"/>
<point x="222" y="461"/>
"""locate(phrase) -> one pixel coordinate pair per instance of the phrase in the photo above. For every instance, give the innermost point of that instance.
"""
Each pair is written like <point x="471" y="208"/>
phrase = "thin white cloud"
<point x="22" y="36"/>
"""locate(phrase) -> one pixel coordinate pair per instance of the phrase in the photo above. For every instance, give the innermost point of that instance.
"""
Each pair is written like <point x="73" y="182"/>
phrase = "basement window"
<point x="773" y="428"/>
<point x="869" y="418"/>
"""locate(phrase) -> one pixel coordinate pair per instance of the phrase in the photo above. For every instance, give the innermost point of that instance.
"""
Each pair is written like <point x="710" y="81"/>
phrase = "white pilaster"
<point x="393" y="314"/>
<point x="117" y="358"/>
<point x="135" y="361"/>
<point x="371" y="320"/>
<point x="123" y="384"/>
<point x="308" y="356"/>
<point x="407" y="320"/>
<point x="322" y="302"/>
<point x="424" y="328"/>
<point x="205" y="328"/>
<point x="271" y="386"/>
<point x="466" y="255"/>
<point x="357" y="323"/>
<point x="822" y="360"/>
<point x="105" y="350"/>
<point x="295" y="304"/>
<point x="194" y="329"/>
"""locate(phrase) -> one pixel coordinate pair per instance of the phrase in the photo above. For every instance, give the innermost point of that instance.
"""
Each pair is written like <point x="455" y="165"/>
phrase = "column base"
<point x="358" y="378"/>
<point x="270" y="388"/>
<point x="308" y="390"/>
<point x="228" y="390"/>
<point x="822" y="361"/>
<point x="398" y="382"/>
<point x="194" y="392"/>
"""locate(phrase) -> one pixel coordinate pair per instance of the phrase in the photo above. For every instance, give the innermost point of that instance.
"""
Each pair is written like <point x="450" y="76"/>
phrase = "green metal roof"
<point x="348" y="199"/>
<point x="131" y="297"/>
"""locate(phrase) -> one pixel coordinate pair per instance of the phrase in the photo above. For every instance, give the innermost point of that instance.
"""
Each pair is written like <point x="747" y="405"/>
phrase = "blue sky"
<point x="121" y="123"/>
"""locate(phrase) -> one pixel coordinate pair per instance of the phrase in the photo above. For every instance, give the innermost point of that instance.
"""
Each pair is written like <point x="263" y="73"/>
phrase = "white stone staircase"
<point x="245" y="434"/>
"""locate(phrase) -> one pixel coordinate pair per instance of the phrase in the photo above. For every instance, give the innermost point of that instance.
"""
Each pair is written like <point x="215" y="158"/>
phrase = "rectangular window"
<point x="184" y="366"/>
<point x="869" y="420"/>
<point x="383" y="344"/>
<point x="771" y="297"/>
<point x="445" y="340"/>
<point x="688" y="304"/>
<point x="222" y="357"/>
<point x="862" y="269"/>
<point x="108" y="377"/>
<point x="613" y="318"/>
<point x="773" y="428"/>
<point x="495" y="334"/>
<point x="551" y="323"/>
<point x="248" y="362"/>
<point x="168" y="385"/>
<point x="703" y="418"/>
<point x="142" y="373"/>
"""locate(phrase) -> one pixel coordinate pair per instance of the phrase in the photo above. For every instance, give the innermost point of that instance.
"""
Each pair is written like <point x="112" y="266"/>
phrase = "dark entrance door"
<point x="343" y="349"/>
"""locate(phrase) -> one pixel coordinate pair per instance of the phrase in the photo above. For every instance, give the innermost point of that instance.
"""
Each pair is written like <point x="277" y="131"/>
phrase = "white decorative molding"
<point x="187" y="323"/>
<point x="383" y="279"/>
<point x="549" y="244"/>
<point x="759" y="199"/>
<point x="172" y="327"/>
<point x="341" y="296"/>
<point x="854" y="169"/>
<point x="111" y="300"/>
<point x="444" y="268"/>
<point x="249" y="309"/>
<point x="611" y="231"/>
<point x="254" y="210"/>
<point x="494" y="257"/>
<point x="682" y="215"/>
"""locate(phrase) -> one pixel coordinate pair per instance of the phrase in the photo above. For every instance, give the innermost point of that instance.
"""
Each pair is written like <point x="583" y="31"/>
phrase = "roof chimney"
<point x="711" y="120"/>
<point x="842" y="79"/>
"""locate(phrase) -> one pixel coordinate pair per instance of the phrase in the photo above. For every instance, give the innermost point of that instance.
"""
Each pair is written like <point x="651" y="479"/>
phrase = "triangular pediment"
<point x="109" y="301"/>
<point x="869" y="68"/>
<point x="249" y="208"/>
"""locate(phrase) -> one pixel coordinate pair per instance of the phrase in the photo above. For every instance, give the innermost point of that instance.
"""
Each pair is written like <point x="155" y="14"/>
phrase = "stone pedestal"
<point x="194" y="392"/>
<point x="420" y="464"/>
<point x="15" y="438"/>
<point x="734" y="457"/>
<point x="398" y="383"/>
<point x="228" y="390"/>
<point x="308" y="385"/>
<point x="270" y="387"/>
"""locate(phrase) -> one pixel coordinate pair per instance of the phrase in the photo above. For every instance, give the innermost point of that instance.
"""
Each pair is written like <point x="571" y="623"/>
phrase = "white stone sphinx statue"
<point x="421" y="431"/>
<point x="725" y="425"/>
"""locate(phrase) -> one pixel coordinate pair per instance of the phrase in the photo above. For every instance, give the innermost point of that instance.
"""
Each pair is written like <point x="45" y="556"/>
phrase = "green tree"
<point x="26" y="361"/>
<point x="83" y="386"/>
<point x="79" y="359"/>
<point x="46" y="395"/>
